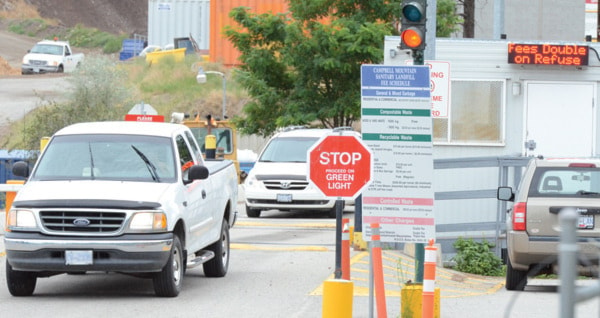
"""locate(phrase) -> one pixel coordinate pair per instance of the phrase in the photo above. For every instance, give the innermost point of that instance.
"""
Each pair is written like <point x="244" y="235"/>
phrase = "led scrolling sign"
<point x="548" y="54"/>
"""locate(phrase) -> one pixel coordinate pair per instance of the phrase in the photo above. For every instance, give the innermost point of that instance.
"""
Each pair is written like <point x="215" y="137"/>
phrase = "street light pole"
<point x="201" y="78"/>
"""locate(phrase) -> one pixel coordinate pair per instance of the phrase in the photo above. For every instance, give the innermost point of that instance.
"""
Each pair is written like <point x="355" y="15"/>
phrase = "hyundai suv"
<point x="279" y="177"/>
<point x="533" y="230"/>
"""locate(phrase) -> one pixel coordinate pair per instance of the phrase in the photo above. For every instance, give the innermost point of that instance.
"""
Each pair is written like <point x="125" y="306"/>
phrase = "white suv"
<point x="279" y="178"/>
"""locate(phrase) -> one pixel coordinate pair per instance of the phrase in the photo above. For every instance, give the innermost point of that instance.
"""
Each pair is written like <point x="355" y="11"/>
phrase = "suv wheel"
<point x="515" y="279"/>
<point x="252" y="213"/>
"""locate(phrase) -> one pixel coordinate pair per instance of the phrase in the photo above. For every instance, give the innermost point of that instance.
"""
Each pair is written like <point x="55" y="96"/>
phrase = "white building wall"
<point x="556" y="20"/>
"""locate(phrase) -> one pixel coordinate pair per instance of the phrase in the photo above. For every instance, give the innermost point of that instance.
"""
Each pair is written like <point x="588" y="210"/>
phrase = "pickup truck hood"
<point x="92" y="190"/>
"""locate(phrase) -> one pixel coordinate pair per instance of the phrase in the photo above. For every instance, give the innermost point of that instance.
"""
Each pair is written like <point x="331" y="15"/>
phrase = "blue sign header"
<point x="386" y="76"/>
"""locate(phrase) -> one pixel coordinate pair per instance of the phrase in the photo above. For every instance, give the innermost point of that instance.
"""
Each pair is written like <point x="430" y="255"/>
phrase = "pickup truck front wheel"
<point x="167" y="283"/>
<point x="217" y="267"/>
<point x="20" y="283"/>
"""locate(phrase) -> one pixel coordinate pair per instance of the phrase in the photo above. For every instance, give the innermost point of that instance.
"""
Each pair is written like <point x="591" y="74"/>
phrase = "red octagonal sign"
<point x="340" y="166"/>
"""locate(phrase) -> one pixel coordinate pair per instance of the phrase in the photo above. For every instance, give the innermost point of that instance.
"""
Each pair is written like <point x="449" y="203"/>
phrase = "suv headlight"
<point x="22" y="220"/>
<point x="251" y="181"/>
<point x="148" y="221"/>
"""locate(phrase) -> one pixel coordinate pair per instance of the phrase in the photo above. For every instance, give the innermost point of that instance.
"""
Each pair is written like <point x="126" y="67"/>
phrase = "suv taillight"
<point x="519" y="216"/>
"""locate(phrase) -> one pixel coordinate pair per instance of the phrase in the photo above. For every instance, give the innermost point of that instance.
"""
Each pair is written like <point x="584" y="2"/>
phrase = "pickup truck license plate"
<point x="585" y="222"/>
<point x="79" y="258"/>
<point x="284" y="197"/>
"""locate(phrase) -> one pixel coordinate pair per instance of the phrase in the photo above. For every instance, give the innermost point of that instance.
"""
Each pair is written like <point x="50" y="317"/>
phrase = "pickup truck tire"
<point x="20" y="283"/>
<point x="217" y="267"/>
<point x="60" y="69"/>
<point x="515" y="279"/>
<point x="167" y="283"/>
<point x="252" y="213"/>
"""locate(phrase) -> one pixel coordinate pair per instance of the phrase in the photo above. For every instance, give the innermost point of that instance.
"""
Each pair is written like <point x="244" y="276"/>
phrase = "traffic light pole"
<point x="418" y="59"/>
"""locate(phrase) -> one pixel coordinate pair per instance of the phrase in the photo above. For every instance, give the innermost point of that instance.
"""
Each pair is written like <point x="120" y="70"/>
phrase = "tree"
<point x="447" y="20"/>
<point x="469" y="18"/>
<point x="303" y="66"/>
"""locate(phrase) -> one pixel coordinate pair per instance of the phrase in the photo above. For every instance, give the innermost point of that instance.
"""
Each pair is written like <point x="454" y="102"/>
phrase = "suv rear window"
<point x="287" y="149"/>
<point x="565" y="182"/>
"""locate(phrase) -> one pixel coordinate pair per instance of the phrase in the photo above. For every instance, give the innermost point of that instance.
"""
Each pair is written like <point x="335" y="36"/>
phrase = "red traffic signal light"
<point x="413" y="18"/>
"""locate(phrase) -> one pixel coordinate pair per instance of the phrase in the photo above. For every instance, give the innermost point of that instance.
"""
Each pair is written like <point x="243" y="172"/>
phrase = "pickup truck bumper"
<point x="128" y="253"/>
<point x="30" y="69"/>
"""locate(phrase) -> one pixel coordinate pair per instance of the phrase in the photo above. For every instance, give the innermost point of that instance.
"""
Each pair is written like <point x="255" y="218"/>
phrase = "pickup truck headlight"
<point x="148" y="221"/>
<point x="22" y="220"/>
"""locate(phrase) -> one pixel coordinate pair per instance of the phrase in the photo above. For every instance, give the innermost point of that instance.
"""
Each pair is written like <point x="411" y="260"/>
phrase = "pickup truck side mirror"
<point x="21" y="169"/>
<point x="198" y="172"/>
<point x="505" y="194"/>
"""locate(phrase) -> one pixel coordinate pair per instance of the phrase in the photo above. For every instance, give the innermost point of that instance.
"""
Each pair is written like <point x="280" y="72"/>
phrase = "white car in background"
<point x="279" y="178"/>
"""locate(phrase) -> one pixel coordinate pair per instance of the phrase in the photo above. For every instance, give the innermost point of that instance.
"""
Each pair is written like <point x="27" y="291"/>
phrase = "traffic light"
<point x="413" y="17"/>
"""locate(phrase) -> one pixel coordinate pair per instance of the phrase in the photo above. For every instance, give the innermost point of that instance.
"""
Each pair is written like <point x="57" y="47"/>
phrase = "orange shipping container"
<point x="221" y="49"/>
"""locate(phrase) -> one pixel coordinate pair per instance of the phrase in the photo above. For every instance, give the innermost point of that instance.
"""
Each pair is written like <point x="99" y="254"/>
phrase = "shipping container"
<point x="170" y="19"/>
<point x="221" y="49"/>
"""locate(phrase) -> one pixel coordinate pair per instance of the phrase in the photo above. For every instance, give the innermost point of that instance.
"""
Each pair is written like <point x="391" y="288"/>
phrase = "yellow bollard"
<point x="210" y="148"/>
<point x="411" y="301"/>
<point x="358" y="243"/>
<point x="337" y="298"/>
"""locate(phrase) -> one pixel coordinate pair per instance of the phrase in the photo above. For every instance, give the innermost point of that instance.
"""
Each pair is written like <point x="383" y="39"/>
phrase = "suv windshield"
<point x="287" y="149"/>
<point x="108" y="157"/>
<point x="565" y="182"/>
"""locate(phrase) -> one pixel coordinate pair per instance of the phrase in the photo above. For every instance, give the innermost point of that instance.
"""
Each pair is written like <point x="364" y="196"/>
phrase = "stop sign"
<point x="340" y="165"/>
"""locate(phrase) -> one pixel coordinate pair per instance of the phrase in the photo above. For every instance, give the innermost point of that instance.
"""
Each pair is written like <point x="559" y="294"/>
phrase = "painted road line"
<point x="255" y="247"/>
<point x="266" y="224"/>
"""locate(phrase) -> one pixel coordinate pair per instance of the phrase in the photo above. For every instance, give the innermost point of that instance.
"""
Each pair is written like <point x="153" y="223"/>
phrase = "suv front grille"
<point x="285" y="185"/>
<point x="82" y="221"/>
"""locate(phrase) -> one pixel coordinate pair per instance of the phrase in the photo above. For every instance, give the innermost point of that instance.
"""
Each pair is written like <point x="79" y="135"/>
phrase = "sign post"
<point x="340" y="165"/>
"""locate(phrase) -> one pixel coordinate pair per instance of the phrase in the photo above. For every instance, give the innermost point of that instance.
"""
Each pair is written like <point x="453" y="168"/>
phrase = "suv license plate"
<point x="78" y="258"/>
<point x="586" y="222"/>
<point x="284" y="197"/>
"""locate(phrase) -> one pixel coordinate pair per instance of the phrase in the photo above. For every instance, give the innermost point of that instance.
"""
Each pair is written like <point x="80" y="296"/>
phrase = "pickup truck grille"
<point x="37" y="62"/>
<point x="285" y="185"/>
<point x="82" y="221"/>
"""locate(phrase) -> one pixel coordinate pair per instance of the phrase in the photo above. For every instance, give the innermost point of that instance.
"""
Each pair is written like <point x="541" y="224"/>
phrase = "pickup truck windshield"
<point x="107" y="157"/>
<point x="47" y="49"/>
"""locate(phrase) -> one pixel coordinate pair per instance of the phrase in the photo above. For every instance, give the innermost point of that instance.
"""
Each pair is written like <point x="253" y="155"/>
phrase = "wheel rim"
<point x="176" y="266"/>
<point x="224" y="245"/>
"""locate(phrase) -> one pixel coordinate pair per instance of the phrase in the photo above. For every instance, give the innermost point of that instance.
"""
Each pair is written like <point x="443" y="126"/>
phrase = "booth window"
<point x="475" y="115"/>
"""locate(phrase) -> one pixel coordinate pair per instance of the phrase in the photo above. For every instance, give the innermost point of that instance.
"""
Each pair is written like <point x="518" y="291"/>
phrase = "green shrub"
<point x="477" y="258"/>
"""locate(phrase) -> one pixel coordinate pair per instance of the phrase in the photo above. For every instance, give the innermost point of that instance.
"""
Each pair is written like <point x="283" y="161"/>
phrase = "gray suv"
<point x="533" y="231"/>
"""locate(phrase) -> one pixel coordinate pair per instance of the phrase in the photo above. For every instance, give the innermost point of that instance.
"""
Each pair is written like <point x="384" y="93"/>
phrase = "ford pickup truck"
<point x="128" y="197"/>
<point x="51" y="56"/>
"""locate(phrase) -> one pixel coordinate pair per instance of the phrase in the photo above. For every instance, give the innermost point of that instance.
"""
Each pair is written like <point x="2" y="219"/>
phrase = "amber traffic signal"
<point x="413" y="17"/>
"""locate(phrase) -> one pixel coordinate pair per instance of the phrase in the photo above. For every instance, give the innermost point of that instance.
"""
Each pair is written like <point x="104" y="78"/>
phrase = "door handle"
<point x="203" y="194"/>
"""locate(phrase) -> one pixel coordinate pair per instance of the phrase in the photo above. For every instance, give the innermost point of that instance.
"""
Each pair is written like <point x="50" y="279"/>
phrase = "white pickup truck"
<point x="51" y="56"/>
<point x="128" y="197"/>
